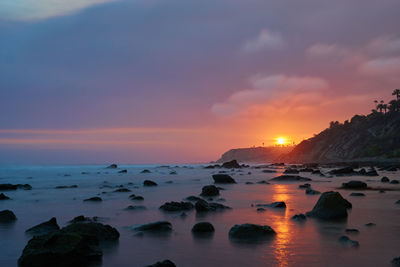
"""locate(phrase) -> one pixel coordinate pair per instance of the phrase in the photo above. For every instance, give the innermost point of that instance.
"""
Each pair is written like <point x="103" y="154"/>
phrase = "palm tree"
<point x="394" y="106"/>
<point x="379" y="107"/>
<point x="385" y="107"/>
<point x="396" y="92"/>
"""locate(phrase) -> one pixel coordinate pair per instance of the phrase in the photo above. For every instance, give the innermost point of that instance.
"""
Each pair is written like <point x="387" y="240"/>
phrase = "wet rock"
<point x="394" y="182"/>
<point x="169" y="182"/>
<point x="352" y="231"/>
<point x="261" y="210"/>
<point x="192" y="198"/>
<point x="145" y="171"/>
<point x="135" y="197"/>
<point x="3" y="197"/>
<point x="385" y="180"/>
<point x="304" y="186"/>
<point x="149" y="183"/>
<point x="249" y="183"/>
<point x="94" y="199"/>
<point x="345" y="240"/>
<point x="130" y="207"/>
<point x="278" y="205"/>
<point x="212" y="166"/>
<point x="330" y="206"/>
<point x="291" y="171"/>
<point x="112" y="166"/>
<point x="299" y="217"/>
<point x="7" y="216"/>
<point x="251" y="232"/>
<point x="82" y="218"/>
<point x="370" y="224"/>
<point x="354" y="185"/>
<point x="223" y="179"/>
<point x="122" y="190"/>
<point x="173" y="173"/>
<point x="66" y="186"/>
<point x="60" y="249"/>
<point x="317" y="172"/>
<point x="98" y="230"/>
<point x="268" y="171"/>
<point x="397" y="202"/>
<point x="396" y="262"/>
<point x="123" y="171"/>
<point x="176" y="206"/>
<point x="165" y="263"/>
<point x="6" y="187"/>
<point x="310" y="191"/>
<point x="306" y="170"/>
<point x="203" y="227"/>
<point x="44" y="228"/>
<point x="209" y="191"/>
<point x="354" y="194"/>
<point x="159" y="226"/>
<point x="290" y="178"/>
<point x="203" y="206"/>
<point x="233" y="164"/>
<point x="262" y="182"/>
<point x="343" y="171"/>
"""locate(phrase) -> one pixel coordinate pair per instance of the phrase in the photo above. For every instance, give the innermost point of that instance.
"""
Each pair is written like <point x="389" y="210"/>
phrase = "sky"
<point x="178" y="81"/>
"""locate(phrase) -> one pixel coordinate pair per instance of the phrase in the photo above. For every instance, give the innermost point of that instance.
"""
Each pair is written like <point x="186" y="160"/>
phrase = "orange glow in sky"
<point x="280" y="141"/>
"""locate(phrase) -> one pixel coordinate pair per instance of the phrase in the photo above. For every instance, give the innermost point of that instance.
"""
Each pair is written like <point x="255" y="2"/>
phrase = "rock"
<point x="316" y="172"/>
<point x="209" y="191"/>
<point x="261" y="209"/>
<point x="145" y="171"/>
<point x="203" y="227"/>
<point x="299" y="217"/>
<point x="291" y="171"/>
<point x="135" y="197"/>
<point x="268" y="171"/>
<point x="7" y="187"/>
<point x="165" y="263"/>
<point x="60" y="249"/>
<point x="3" y="197"/>
<point x="330" y="206"/>
<point x="231" y="164"/>
<point x="396" y="262"/>
<point x="169" y="182"/>
<point x="280" y="204"/>
<point x="347" y="241"/>
<point x="306" y="170"/>
<point x="357" y="194"/>
<point x="354" y="185"/>
<point x="343" y="171"/>
<point x="397" y="202"/>
<point x="177" y="206"/>
<point x="212" y="166"/>
<point x="130" y="207"/>
<point x="262" y="182"/>
<point x="370" y="224"/>
<point x="98" y="230"/>
<point x="192" y="198"/>
<point x="149" y="183"/>
<point x="385" y="179"/>
<point x="94" y="199"/>
<point x="352" y="231"/>
<point x="123" y="171"/>
<point x="394" y="182"/>
<point x="66" y="186"/>
<point x="7" y="216"/>
<point x="223" y="179"/>
<point x="112" y="166"/>
<point x="159" y="226"/>
<point x="290" y="178"/>
<point x="310" y="191"/>
<point x="391" y="169"/>
<point x="122" y="190"/>
<point x="371" y="172"/>
<point x="82" y="218"/>
<point x="251" y="232"/>
<point x="44" y="228"/>
<point x="304" y="186"/>
<point x="203" y="206"/>
<point x="173" y="173"/>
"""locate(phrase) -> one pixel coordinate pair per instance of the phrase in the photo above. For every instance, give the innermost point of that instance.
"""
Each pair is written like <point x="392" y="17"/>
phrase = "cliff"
<point x="255" y="154"/>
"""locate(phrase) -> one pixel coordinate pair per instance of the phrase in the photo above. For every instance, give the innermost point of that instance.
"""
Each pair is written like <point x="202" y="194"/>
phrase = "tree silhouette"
<point x="396" y="92"/>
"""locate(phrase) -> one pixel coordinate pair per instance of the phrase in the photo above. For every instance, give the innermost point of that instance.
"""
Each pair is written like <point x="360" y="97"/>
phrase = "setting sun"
<point x="280" y="141"/>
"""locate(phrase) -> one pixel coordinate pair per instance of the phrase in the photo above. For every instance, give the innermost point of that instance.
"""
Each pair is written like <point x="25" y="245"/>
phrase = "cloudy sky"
<point x="167" y="81"/>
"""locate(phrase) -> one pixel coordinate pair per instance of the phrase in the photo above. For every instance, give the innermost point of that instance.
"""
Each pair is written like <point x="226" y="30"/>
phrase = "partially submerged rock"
<point x="123" y="171"/>
<point x="385" y="180"/>
<point x="223" y="179"/>
<point x="231" y="164"/>
<point x="149" y="183"/>
<point x="203" y="206"/>
<point x="354" y="185"/>
<point x="44" y="228"/>
<point x="250" y="232"/>
<point x="131" y="207"/>
<point x="352" y="231"/>
<point x="193" y="198"/>
<point x="7" y="187"/>
<point x="165" y="263"/>
<point x="291" y="171"/>
<point x="66" y="186"/>
<point x="345" y="240"/>
<point x="304" y="186"/>
<point x="122" y="190"/>
<point x="112" y="166"/>
<point x="135" y="197"/>
<point x="299" y="217"/>
<point x="177" y="206"/>
<point x="159" y="226"/>
<point x="290" y="178"/>
<point x="355" y="194"/>
<point x="280" y="205"/>
<point x="262" y="182"/>
<point x="3" y="197"/>
<point x="394" y="182"/>
<point x="7" y="216"/>
<point x="98" y="230"/>
<point x="209" y="191"/>
<point x="145" y="171"/>
<point x="396" y="262"/>
<point x="330" y="206"/>
<point x="203" y="227"/>
<point x="93" y="199"/>
<point x="310" y="191"/>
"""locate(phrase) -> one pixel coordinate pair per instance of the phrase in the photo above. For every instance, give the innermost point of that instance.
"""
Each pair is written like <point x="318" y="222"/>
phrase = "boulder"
<point x="44" y="228"/>
<point x="291" y="171"/>
<point x="223" y="179"/>
<point x="280" y="205"/>
<point x="112" y="166"/>
<point x="135" y="197"/>
<point x="262" y="182"/>
<point x="130" y="207"/>
<point x="343" y="171"/>
<point x="145" y="171"/>
<point x="94" y="199"/>
<point x="209" y="191"/>
<point x="149" y="183"/>
<point x="3" y="197"/>
<point x="299" y="217"/>
<point x="345" y="240"/>
<point x="122" y="190"/>
<point x="61" y="249"/>
<point x="123" y="171"/>
<point x="330" y="206"/>
<point x="192" y="198"/>
<point x="354" y="185"/>
<point x="231" y="164"/>
<point x="354" y="194"/>
<point x="385" y="180"/>
<point x="310" y="191"/>
<point x="7" y="187"/>
<point x="250" y="232"/>
<point x="370" y="224"/>
<point x="203" y="227"/>
<point x="203" y="206"/>
<point x="396" y="262"/>
<point x="290" y="178"/>
<point x="165" y="263"/>
<point x="159" y="226"/>
<point x="101" y="232"/>
<point x="177" y="206"/>
<point x="394" y="182"/>
<point x="352" y="231"/>
<point x="397" y="202"/>
<point x="7" y="216"/>
<point x="261" y="210"/>
<point x="268" y="171"/>
<point x="66" y="186"/>
<point x="304" y="186"/>
<point x="82" y="218"/>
